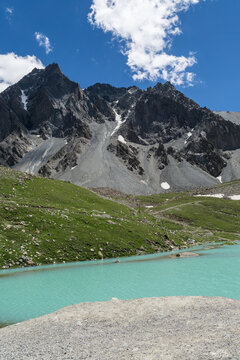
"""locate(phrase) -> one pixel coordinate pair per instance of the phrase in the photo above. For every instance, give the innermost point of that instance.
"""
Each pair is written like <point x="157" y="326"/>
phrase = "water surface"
<point x="29" y="293"/>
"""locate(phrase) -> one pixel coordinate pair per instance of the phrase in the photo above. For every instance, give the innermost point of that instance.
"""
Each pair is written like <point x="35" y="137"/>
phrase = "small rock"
<point x="111" y="222"/>
<point x="186" y="254"/>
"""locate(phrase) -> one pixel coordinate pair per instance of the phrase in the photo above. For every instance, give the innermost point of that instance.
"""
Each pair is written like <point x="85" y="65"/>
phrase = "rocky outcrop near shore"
<point x="170" y="328"/>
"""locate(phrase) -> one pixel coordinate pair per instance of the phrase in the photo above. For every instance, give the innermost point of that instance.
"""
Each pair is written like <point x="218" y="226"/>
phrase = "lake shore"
<point x="151" y="328"/>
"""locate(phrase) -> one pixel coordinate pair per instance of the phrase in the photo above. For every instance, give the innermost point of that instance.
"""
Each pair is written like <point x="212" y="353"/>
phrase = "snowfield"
<point x="24" y="100"/>
<point x="165" y="186"/>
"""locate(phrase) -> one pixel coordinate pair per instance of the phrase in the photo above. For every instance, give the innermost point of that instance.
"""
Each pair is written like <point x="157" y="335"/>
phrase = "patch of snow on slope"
<point x="189" y="134"/>
<point x="221" y="196"/>
<point x="165" y="186"/>
<point x="219" y="179"/>
<point x="149" y="207"/>
<point x="24" y="100"/>
<point x="218" y="196"/>
<point x="144" y="182"/>
<point x="119" y="122"/>
<point x="234" y="197"/>
<point x="132" y="90"/>
<point x="121" y="139"/>
<point x="74" y="167"/>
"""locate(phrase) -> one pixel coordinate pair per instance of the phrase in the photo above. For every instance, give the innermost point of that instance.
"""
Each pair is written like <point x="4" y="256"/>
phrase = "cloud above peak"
<point x="9" y="11"/>
<point x="43" y="41"/>
<point x="13" y="67"/>
<point x="146" y="30"/>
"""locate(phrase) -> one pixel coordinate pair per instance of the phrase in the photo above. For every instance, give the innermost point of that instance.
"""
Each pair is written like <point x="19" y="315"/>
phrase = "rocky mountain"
<point x="128" y="139"/>
<point x="230" y="115"/>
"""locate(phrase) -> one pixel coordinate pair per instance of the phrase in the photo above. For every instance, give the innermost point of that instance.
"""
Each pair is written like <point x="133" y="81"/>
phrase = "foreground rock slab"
<point x="154" y="328"/>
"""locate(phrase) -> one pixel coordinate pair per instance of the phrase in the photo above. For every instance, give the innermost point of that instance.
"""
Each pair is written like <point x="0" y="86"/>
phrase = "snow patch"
<point x="219" y="179"/>
<point x="221" y="196"/>
<point x="24" y="100"/>
<point x="74" y="167"/>
<point x="234" y="197"/>
<point x="118" y="120"/>
<point x="218" y="196"/>
<point x="165" y="186"/>
<point x="149" y="207"/>
<point x="189" y="134"/>
<point x="121" y="139"/>
<point x="144" y="182"/>
<point x="132" y="90"/>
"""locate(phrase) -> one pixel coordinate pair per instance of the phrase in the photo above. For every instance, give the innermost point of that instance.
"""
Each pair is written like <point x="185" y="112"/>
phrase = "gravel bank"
<point x="146" y="329"/>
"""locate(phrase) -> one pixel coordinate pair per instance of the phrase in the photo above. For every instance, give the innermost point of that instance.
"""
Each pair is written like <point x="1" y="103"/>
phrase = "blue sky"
<point x="87" y="54"/>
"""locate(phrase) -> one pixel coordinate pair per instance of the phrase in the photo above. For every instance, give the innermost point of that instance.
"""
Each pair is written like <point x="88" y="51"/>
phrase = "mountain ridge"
<point x="132" y="140"/>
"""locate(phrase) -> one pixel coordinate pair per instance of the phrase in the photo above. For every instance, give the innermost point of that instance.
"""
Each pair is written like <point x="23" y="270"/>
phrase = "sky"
<point x="192" y="43"/>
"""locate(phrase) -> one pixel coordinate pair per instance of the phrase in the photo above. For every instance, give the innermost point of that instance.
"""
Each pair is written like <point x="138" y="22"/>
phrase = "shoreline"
<point x="150" y="328"/>
<point x="115" y="259"/>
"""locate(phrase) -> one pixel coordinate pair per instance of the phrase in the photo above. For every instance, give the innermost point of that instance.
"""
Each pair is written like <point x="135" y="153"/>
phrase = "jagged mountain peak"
<point x="129" y="139"/>
<point x="54" y="67"/>
<point x="50" y="79"/>
<point x="108" y="92"/>
<point x="166" y="86"/>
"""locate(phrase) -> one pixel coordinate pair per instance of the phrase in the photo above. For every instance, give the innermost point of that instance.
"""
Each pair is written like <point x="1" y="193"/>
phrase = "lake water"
<point x="29" y="293"/>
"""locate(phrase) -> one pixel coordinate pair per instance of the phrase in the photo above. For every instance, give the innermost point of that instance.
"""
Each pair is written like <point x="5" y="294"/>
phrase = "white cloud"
<point x="14" y="67"/>
<point x="44" y="41"/>
<point x="9" y="11"/>
<point x="146" y="29"/>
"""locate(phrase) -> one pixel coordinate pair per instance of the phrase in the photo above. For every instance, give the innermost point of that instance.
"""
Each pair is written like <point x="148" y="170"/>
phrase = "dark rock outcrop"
<point x="44" y="103"/>
<point x="203" y="153"/>
<point x="161" y="156"/>
<point x="128" y="155"/>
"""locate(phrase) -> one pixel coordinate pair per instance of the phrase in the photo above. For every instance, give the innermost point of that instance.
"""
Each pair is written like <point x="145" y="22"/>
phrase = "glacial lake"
<point x="29" y="293"/>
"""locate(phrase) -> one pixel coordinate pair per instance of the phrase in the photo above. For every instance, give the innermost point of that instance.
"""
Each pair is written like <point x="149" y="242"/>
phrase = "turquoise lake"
<point x="29" y="293"/>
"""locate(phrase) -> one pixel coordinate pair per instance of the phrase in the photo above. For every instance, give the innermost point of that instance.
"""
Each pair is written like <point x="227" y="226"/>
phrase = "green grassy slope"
<point x="44" y="221"/>
<point x="214" y="218"/>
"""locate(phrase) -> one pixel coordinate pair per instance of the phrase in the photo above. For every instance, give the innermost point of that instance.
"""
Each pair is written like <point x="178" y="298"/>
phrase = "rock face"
<point x="124" y="138"/>
<point x="42" y="105"/>
<point x="230" y="116"/>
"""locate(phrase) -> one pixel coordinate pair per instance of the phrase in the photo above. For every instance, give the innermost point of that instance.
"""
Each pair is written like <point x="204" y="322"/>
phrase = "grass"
<point x="210" y="218"/>
<point x="46" y="221"/>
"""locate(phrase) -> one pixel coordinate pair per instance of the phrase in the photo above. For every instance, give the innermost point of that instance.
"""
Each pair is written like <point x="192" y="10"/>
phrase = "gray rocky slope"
<point x="136" y="141"/>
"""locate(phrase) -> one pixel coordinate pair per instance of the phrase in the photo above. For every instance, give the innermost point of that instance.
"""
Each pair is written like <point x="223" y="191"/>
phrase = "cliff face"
<point x="125" y="138"/>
